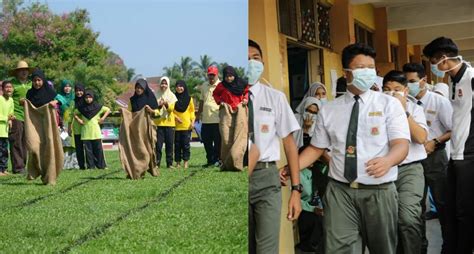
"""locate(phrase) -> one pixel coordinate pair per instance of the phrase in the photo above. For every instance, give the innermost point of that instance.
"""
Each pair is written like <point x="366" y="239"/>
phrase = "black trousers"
<point x="94" y="154"/>
<point x="3" y="154"/>
<point x="211" y="138"/>
<point x="310" y="227"/>
<point x="182" y="146"/>
<point x="166" y="136"/>
<point x="460" y="206"/>
<point x="18" y="146"/>
<point x="79" y="151"/>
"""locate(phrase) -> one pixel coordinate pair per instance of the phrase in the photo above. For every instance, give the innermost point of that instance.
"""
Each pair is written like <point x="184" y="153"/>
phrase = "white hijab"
<point x="166" y="95"/>
<point x="298" y="135"/>
<point x="310" y="93"/>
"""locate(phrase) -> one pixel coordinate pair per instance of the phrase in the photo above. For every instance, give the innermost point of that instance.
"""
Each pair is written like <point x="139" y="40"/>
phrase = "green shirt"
<point x="19" y="93"/>
<point x="306" y="180"/>
<point x="90" y="130"/>
<point x="6" y="110"/>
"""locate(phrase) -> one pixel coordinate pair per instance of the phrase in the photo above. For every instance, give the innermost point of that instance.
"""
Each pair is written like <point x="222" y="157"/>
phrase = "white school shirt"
<point x="416" y="152"/>
<point x="381" y="119"/>
<point x="461" y="96"/>
<point x="273" y="119"/>
<point x="438" y="113"/>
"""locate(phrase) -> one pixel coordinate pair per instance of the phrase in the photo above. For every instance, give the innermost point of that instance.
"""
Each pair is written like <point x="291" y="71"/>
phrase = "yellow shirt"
<point x="210" y="109"/>
<point x="91" y="128"/>
<point x="6" y="110"/>
<point x="167" y="121"/>
<point x="187" y="117"/>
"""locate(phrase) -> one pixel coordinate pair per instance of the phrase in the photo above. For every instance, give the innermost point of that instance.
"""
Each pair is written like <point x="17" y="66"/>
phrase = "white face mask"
<point x="313" y="118"/>
<point x="363" y="78"/>
<point x="254" y="71"/>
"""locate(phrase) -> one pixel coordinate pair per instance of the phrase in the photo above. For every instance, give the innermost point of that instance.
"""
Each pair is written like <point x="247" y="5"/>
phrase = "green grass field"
<point x="100" y="211"/>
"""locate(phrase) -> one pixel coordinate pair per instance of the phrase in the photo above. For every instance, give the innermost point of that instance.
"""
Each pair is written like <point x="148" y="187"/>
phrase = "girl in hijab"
<point x="232" y="90"/>
<point x="307" y="121"/>
<point x="90" y="114"/>
<point x="184" y="117"/>
<point x="65" y="97"/>
<point x="166" y="121"/>
<point x="40" y="93"/>
<point x="317" y="90"/>
<point x="76" y="126"/>
<point x="143" y="98"/>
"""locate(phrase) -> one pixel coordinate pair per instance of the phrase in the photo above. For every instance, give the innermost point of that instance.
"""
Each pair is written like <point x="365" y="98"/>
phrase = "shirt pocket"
<point x="264" y="128"/>
<point x="375" y="128"/>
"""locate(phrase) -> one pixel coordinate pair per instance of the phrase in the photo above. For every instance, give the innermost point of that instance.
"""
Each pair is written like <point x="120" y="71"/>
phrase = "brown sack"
<point x="45" y="150"/>
<point x="233" y="128"/>
<point x="137" y="139"/>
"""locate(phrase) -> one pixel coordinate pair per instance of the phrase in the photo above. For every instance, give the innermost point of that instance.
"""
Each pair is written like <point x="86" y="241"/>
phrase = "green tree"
<point x="186" y="66"/>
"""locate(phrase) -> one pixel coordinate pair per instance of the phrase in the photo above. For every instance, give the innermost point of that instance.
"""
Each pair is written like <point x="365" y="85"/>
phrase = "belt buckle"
<point x="354" y="185"/>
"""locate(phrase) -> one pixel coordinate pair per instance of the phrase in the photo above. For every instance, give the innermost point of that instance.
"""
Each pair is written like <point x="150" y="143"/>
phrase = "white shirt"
<point x="416" y="152"/>
<point x="461" y="101"/>
<point x="381" y="119"/>
<point x="273" y="119"/>
<point x="438" y="113"/>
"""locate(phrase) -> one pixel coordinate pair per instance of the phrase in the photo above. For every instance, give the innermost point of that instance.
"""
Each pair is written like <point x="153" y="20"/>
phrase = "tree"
<point x="186" y="67"/>
<point x="201" y="66"/>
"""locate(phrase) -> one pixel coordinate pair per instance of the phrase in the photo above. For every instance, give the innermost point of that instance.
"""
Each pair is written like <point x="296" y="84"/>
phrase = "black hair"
<point x="440" y="46"/>
<point x="415" y="67"/>
<point x="351" y="51"/>
<point x="6" y="82"/>
<point x="396" y="76"/>
<point x="255" y="45"/>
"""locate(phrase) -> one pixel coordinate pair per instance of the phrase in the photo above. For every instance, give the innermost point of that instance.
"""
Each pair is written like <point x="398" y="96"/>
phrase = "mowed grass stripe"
<point x="208" y="214"/>
<point x="98" y="231"/>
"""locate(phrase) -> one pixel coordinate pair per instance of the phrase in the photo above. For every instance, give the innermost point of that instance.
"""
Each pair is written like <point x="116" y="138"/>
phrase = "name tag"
<point x="265" y="109"/>
<point x="375" y="113"/>
<point x="431" y="112"/>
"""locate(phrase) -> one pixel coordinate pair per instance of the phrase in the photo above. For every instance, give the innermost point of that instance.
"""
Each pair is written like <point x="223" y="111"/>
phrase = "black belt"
<point x="263" y="165"/>
<point x="356" y="185"/>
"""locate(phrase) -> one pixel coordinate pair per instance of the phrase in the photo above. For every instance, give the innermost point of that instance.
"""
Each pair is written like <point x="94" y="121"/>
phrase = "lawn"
<point x="100" y="211"/>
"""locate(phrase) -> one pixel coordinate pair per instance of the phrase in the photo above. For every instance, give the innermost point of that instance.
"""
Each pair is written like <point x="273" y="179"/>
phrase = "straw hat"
<point x="21" y="65"/>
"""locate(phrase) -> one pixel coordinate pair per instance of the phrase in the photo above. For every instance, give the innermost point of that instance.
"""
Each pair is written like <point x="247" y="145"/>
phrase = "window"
<point x="363" y="35"/>
<point x="323" y="26"/>
<point x="287" y="17"/>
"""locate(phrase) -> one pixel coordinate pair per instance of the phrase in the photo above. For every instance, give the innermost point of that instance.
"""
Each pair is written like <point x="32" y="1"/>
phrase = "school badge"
<point x="265" y="128"/>
<point x="459" y="92"/>
<point x="350" y="150"/>
<point x="374" y="131"/>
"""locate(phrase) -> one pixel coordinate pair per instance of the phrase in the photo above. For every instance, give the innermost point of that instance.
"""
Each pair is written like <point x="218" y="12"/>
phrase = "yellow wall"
<point x="364" y="13"/>
<point x="332" y="61"/>
<point x="393" y="37"/>
<point x="411" y="50"/>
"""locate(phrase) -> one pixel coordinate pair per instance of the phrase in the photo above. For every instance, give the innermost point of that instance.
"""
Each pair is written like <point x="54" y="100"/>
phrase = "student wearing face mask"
<point x="270" y="119"/>
<point x="369" y="135"/>
<point x="316" y="90"/>
<point x="443" y="55"/>
<point x="410" y="182"/>
<point x="438" y="112"/>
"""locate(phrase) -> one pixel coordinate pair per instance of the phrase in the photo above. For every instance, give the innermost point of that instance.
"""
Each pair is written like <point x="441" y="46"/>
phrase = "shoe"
<point x="431" y="215"/>
<point x="218" y="164"/>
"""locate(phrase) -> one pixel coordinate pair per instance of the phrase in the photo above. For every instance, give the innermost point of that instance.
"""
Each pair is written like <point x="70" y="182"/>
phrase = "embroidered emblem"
<point x="265" y="128"/>
<point x="376" y="113"/>
<point x="374" y="131"/>
<point x="460" y="92"/>
<point x="350" y="150"/>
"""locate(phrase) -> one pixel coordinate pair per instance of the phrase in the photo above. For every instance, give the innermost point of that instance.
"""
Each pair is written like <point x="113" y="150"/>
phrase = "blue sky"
<point x="152" y="34"/>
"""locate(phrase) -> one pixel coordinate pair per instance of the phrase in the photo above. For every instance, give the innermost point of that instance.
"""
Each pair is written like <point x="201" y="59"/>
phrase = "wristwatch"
<point x="437" y="142"/>
<point x="298" y="188"/>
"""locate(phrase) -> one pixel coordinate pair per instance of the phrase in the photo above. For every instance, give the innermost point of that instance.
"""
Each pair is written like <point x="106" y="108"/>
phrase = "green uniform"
<point x="6" y="110"/>
<point x="19" y="93"/>
<point x="90" y="130"/>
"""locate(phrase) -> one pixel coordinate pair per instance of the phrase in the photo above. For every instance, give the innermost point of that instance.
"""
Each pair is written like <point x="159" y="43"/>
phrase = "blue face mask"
<point x="363" y="78"/>
<point x="254" y="71"/>
<point x="439" y="73"/>
<point x="323" y="101"/>
<point x="414" y="88"/>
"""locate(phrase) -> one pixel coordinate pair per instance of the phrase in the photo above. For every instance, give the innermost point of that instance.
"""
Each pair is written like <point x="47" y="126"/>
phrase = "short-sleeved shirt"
<point x="6" y="110"/>
<point x="210" y="110"/>
<point x="416" y="152"/>
<point x="438" y="113"/>
<point x="19" y="92"/>
<point x="90" y="130"/>
<point x="461" y="96"/>
<point x="273" y="119"/>
<point x="381" y="120"/>
<point x="187" y="117"/>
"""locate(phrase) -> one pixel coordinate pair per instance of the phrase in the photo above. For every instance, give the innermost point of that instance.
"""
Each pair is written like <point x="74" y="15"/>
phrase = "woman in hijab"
<point x="143" y="98"/>
<point x="40" y="93"/>
<point x="65" y="96"/>
<point x="76" y="127"/>
<point x="307" y="121"/>
<point x="165" y="122"/>
<point x="232" y="90"/>
<point x="184" y="117"/>
<point x="90" y="114"/>
<point x="317" y="90"/>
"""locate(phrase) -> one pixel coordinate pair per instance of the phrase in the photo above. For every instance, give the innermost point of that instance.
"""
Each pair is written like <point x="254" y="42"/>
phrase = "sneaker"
<point x="218" y="164"/>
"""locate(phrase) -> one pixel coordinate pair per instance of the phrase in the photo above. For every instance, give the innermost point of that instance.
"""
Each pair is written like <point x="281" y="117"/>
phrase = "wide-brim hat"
<point x="19" y="66"/>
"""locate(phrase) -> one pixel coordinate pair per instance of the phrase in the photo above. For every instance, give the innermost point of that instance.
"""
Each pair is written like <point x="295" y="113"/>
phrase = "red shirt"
<point x="221" y="94"/>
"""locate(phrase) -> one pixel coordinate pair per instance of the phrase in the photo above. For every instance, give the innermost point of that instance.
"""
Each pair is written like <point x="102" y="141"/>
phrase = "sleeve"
<point x="320" y="137"/>
<point x="104" y="109"/>
<point x="420" y="117"/>
<point x="170" y="108"/>
<point x="191" y="110"/>
<point x="285" y="119"/>
<point x="218" y="93"/>
<point x="446" y="114"/>
<point x="397" y="122"/>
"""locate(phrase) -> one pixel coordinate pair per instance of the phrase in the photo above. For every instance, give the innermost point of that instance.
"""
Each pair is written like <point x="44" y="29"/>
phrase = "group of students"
<point x="367" y="157"/>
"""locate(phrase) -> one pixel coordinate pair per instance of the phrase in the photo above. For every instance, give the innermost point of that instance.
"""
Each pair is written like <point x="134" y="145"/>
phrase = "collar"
<point x="460" y="73"/>
<point x="425" y="98"/>
<point x="215" y="83"/>
<point x="364" y="97"/>
<point x="255" y="89"/>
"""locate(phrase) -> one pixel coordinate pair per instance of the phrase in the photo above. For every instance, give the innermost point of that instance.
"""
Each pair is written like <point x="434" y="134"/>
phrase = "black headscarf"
<point x="44" y="94"/>
<point x="183" y="98"/>
<point x="146" y="98"/>
<point x="78" y="101"/>
<point x="237" y="86"/>
<point x="89" y="110"/>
